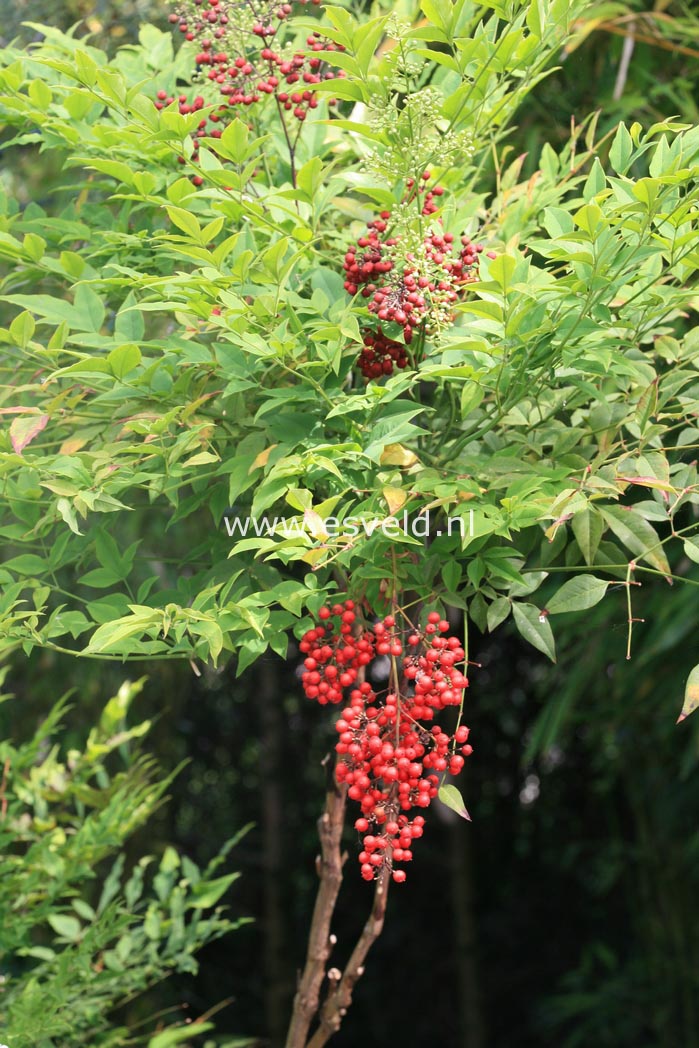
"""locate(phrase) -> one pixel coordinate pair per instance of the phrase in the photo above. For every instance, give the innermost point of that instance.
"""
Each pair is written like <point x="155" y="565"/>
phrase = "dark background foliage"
<point x="565" y="914"/>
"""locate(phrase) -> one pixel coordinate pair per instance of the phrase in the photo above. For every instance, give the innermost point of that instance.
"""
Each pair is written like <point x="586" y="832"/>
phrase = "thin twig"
<point x="291" y="146"/>
<point x="629" y="583"/>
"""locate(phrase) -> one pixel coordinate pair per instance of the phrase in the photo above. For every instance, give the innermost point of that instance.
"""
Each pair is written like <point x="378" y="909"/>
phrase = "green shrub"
<point x="75" y="946"/>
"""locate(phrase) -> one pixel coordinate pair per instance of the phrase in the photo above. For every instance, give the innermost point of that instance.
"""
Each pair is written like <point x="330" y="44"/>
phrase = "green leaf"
<point x="535" y="628"/>
<point x="471" y="397"/>
<point x="99" y="578"/>
<point x="691" y="549"/>
<point x="111" y="634"/>
<point x="210" y="632"/>
<point x="65" y="926"/>
<point x="497" y="612"/>
<point x="115" y="168"/>
<point x="185" y="221"/>
<point x="129" y="323"/>
<point x="178" y="1035"/>
<point x="637" y="535"/>
<point x="451" y="798"/>
<point x="451" y="575"/>
<point x="588" y="528"/>
<point x="89" y="310"/>
<point x="26" y="564"/>
<point x="34" y="247"/>
<point x="595" y="182"/>
<point x="501" y="270"/>
<point x="621" y="150"/>
<point x="22" y="328"/>
<point x="53" y="309"/>
<point x="235" y="139"/>
<point x="124" y="359"/>
<point x="207" y="894"/>
<point x="40" y="94"/>
<point x="83" y="910"/>
<point x="107" y="552"/>
<point x="310" y="177"/>
<point x="578" y="594"/>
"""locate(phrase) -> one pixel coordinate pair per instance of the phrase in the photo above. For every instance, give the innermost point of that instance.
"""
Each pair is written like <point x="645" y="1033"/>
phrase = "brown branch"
<point x="329" y="865"/>
<point x="339" y="995"/>
<point x="653" y="41"/>
<point x="320" y="942"/>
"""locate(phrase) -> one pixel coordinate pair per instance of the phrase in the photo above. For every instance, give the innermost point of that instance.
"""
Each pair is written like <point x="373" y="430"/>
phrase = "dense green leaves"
<point x="71" y="953"/>
<point x="185" y="356"/>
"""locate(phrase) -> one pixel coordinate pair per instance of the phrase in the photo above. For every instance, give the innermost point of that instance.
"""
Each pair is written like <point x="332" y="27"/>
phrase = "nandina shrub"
<point x="278" y="279"/>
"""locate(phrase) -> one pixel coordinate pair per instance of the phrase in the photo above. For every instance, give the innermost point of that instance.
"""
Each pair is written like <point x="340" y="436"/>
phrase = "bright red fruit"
<point x="391" y="753"/>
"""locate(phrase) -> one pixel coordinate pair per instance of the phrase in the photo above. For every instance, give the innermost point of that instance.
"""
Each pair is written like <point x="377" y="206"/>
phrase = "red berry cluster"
<point x="334" y="656"/>
<point x="246" y="79"/>
<point x="390" y="760"/>
<point x="222" y="18"/>
<point x="413" y="191"/>
<point x="365" y="263"/>
<point x="380" y="355"/>
<point x="235" y="56"/>
<point x="419" y="287"/>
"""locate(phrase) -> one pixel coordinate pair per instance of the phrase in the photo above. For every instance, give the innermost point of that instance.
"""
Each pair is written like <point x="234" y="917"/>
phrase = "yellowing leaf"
<point x="23" y="430"/>
<point x="691" y="695"/>
<point x="73" y="444"/>
<point x="261" y="459"/>
<point x="395" y="498"/>
<point x="451" y="797"/>
<point x="314" y="557"/>
<point x="397" y="455"/>
<point x="315" y="524"/>
<point x="202" y="458"/>
<point x="646" y="482"/>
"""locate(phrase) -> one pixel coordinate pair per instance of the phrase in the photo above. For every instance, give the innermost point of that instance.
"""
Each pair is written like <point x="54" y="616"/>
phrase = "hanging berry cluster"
<point x="380" y="355"/>
<point x="413" y="288"/>
<point x="391" y="754"/>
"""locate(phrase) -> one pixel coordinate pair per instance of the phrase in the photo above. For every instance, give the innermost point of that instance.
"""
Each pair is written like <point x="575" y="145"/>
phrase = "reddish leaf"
<point x="23" y="430"/>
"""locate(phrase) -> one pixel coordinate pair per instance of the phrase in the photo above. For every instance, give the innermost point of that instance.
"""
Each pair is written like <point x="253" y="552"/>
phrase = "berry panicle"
<point x="237" y="63"/>
<point x="413" y="289"/>
<point x="391" y="752"/>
